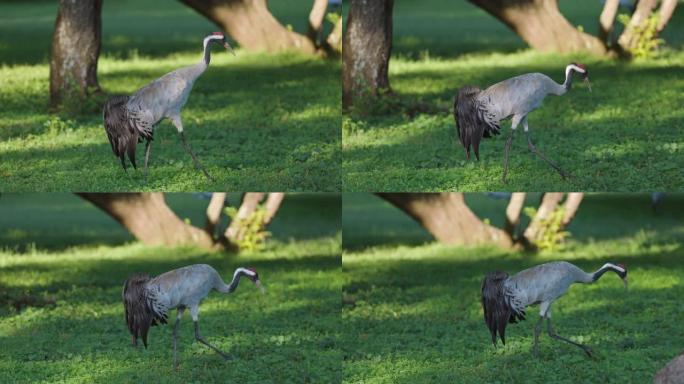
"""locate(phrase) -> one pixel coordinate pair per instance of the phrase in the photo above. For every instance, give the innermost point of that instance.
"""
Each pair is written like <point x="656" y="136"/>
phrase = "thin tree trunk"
<point x="672" y="372"/>
<point x="549" y="203"/>
<point x="572" y="203"/>
<point x="541" y="25"/>
<point x="367" y="49"/>
<point x="607" y="19"/>
<point x="252" y="25"/>
<point x="667" y="8"/>
<point x="149" y="219"/>
<point x="250" y="202"/>
<point x="628" y="39"/>
<point x="515" y="206"/>
<point x="447" y="217"/>
<point x="272" y="205"/>
<point x="75" y="50"/>
<point x="214" y="210"/>
<point x="334" y="39"/>
<point x="316" y="19"/>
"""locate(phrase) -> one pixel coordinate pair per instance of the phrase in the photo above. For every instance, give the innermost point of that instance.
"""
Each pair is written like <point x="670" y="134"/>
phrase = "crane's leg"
<point x="179" y="126"/>
<point x="194" y="312"/>
<point x="537" y="332"/>
<point x="534" y="150"/>
<point x="507" y="147"/>
<point x="175" y="337"/>
<point x="544" y="312"/>
<point x="553" y="334"/>
<point x="148" y="146"/>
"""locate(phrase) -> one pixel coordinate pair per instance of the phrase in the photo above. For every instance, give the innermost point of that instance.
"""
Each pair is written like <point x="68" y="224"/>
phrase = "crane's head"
<point x="621" y="270"/>
<point x="252" y="274"/>
<point x="582" y="70"/>
<point x="218" y="38"/>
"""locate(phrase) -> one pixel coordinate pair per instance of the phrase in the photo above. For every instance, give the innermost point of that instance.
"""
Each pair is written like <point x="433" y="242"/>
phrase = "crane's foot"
<point x="194" y="158"/>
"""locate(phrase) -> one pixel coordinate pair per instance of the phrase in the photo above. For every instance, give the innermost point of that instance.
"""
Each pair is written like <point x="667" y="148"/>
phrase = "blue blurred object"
<point x="499" y="195"/>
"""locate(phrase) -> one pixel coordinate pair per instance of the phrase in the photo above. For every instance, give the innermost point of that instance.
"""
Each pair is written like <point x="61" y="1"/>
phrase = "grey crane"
<point x="478" y="113"/>
<point x="504" y="297"/>
<point x="147" y="300"/>
<point x="132" y="119"/>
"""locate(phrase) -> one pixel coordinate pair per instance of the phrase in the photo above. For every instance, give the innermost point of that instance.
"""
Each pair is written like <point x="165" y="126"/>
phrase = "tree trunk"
<point x="334" y="40"/>
<point x="541" y="25"/>
<point x="515" y="206"/>
<point x="316" y="19"/>
<point x="549" y="203"/>
<point x="75" y="50"/>
<point x="447" y="217"/>
<point x="667" y="8"/>
<point x="628" y="39"/>
<point x="251" y="24"/>
<point x="272" y="205"/>
<point x="571" y="205"/>
<point x="214" y="210"/>
<point x="671" y="373"/>
<point x="149" y="219"/>
<point x="607" y="19"/>
<point x="367" y="49"/>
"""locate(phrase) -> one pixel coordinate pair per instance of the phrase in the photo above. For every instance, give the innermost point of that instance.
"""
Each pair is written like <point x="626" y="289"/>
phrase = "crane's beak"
<point x="586" y="81"/>
<point x="227" y="46"/>
<point x="624" y="280"/>
<point x="260" y="286"/>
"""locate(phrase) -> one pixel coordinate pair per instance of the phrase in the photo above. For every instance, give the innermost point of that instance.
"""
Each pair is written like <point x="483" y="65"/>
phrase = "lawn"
<point x="256" y="121"/>
<point x="626" y="135"/>
<point x="61" y="317"/>
<point x="411" y="307"/>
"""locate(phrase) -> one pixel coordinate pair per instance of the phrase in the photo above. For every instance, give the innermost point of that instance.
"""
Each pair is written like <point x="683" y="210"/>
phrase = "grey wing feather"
<point x="122" y="136"/>
<point x="473" y="121"/>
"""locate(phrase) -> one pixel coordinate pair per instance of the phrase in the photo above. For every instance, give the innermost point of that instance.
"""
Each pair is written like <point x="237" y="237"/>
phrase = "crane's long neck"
<point x="230" y="288"/>
<point x="619" y="270"/>
<point x="207" y="52"/>
<point x="198" y="69"/>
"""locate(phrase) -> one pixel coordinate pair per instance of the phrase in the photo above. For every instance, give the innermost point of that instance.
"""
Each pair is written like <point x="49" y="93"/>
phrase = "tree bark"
<point x="272" y="205"/>
<point x="447" y="217"/>
<point x="541" y="25"/>
<point x="548" y="204"/>
<point x="316" y="19"/>
<point x="572" y="203"/>
<point x="607" y="19"/>
<point x="149" y="219"/>
<point x="671" y="373"/>
<point x="667" y="8"/>
<point x="628" y="38"/>
<point x="515" y="206"/>
<point x="75" y="50"/>
<point x="251" y="24"/>
<point x="214" y="210"/>
<point x="367" y="48"/>
<point x="250" y="202"/>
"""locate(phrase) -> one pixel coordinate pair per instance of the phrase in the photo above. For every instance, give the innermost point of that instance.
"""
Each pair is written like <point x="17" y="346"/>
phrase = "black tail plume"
<point x="121" y="133"/>
<point x="139" y="315"/>
<point x="470" y="126"/>
<point x="497" y="311"/>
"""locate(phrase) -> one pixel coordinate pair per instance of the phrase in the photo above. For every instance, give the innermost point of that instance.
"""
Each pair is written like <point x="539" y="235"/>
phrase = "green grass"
<point x="411" y="309"/>
<point x="256" y="121"/>
<point x="624" y="136"/>
<point x="72" y="329"/>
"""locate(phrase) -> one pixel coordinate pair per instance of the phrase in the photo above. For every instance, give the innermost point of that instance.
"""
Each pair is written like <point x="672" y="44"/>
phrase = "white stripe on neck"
<point x="245" y="271"/>
<point x="211" y="37"/>
<point x="573" y="67"/>
<point x="622" y="270"/>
